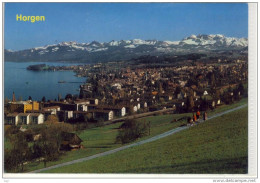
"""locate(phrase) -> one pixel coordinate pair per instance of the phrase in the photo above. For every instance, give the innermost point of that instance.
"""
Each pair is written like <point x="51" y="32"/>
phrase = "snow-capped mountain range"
<point x="124" y="49"/>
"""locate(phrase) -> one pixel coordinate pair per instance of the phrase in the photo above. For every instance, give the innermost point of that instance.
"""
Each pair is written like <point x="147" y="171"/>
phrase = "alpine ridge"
<point x="125" y="49"/>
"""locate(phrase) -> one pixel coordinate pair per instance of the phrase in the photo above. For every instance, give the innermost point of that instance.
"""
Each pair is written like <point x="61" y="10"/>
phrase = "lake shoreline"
<point x="37" y="84"/>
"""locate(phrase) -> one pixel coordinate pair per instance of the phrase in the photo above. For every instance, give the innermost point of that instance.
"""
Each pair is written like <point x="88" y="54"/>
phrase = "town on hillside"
<point x="114" y="91"/>
<point x="124" y="94"/>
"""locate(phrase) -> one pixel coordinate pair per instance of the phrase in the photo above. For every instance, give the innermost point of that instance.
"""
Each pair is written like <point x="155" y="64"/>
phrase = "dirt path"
<point x="165" y="134"/>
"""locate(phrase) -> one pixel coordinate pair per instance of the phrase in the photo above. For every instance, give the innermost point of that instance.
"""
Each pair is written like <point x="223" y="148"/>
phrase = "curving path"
<point x="165" y="134"/>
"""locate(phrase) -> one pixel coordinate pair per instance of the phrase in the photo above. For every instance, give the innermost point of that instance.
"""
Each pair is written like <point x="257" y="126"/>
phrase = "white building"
<point x="36" y="118"/>
<point x="81" y="105"/>
<point x="24" y="118"/>
<point x="53" y="109"/>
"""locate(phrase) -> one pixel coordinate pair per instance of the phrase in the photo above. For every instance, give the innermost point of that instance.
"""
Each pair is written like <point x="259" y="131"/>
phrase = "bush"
<point x="10" y="130"/>
<point x="81" y="126"/>
<point x="131" y="130"/>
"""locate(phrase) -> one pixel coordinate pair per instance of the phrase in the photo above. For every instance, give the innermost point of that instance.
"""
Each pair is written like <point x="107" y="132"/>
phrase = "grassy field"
<point x="101" y="139"/>
<point x="216" y="146"/>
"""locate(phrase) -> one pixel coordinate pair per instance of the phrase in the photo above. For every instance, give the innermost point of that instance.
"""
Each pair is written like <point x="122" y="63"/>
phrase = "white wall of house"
<point x="138" y="106"/>
<point x="110" y="115"/>
<point x="83" y="107"/>
<point x="53" y="111"/>
<point x="40" y="119"/>
<point x="135" y="108"/>
<point x="194" y="93"/>
<point x="123" y="110"/>
<point x="218" y="102"/>
<point x="28" y="119"/>
<point x="69" y="114"/>
<point x="78" y="107"/>
<point x="145" y="104"/>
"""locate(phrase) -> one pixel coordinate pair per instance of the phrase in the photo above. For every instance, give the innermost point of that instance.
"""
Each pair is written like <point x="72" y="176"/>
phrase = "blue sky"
<point x="103" y="22"/>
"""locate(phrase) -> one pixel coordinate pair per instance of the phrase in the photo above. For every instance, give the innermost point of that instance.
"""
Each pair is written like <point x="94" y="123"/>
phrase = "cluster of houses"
<point x="134" y="90"/>
<point x="33" y="112"/>
<point x="22" y="114"/>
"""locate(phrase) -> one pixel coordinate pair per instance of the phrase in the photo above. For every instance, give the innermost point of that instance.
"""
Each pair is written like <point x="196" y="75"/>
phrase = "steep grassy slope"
<point x="219" y="145"/>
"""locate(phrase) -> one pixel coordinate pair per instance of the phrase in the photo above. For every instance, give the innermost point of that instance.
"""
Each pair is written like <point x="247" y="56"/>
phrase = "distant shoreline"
<point x="67" y="62"/>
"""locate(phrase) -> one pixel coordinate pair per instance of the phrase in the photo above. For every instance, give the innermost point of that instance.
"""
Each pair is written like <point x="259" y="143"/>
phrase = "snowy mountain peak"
<point x="127" y="48"/>
<point x="68" y="43"/>
<point x="192" y="37"/>
<point x="214" y="40"/>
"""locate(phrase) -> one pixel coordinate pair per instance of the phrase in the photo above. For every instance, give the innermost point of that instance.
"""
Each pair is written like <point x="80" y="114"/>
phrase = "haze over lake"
<point x="37" y="84"/>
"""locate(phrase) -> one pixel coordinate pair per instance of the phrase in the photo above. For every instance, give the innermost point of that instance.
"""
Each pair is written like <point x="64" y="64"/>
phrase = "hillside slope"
<point x="217" y="146"/>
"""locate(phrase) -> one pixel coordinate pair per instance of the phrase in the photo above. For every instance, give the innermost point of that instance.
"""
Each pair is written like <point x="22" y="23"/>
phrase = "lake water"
<point x="37" y="84"/>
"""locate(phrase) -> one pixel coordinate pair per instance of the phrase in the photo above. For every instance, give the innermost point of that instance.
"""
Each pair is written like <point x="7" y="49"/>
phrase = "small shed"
<point x="70" y="141"/>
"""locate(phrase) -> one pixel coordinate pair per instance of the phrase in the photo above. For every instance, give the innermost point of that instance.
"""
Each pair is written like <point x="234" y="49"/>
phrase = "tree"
<point x="241" y="89"/>
<point x="11" y="160"/>
<point x="190" y="103"/>
<point x="75" y="97"/>
<point x="10" y="131"/>
<point x="211" y="77"/>
<point x="52" y="119"/>
<point x="148" y="83"/>
<point x="204" y="104"/>
<point x="161" y="100"/>
<point x="160" y="88"/>
<point x="68" y="97"/>
<point x="6" y="100"/>
<point x="236" y="94"/>
<point x="19" y="153"/>
<point x="216" y="95"/>
<point x="177" y="91"/>
<point x="29" y="98"/>
<point x="43" y="99"/>
<point x="131" y="109"/>
<point x="165" y="85"/>
<point x="88" y="117"/>
<point x="131" y="130"/>
<point x="47" y="146"/>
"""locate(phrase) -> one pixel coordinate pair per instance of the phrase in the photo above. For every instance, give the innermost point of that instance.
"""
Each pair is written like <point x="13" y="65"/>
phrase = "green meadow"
<point x="219" y="145"/>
